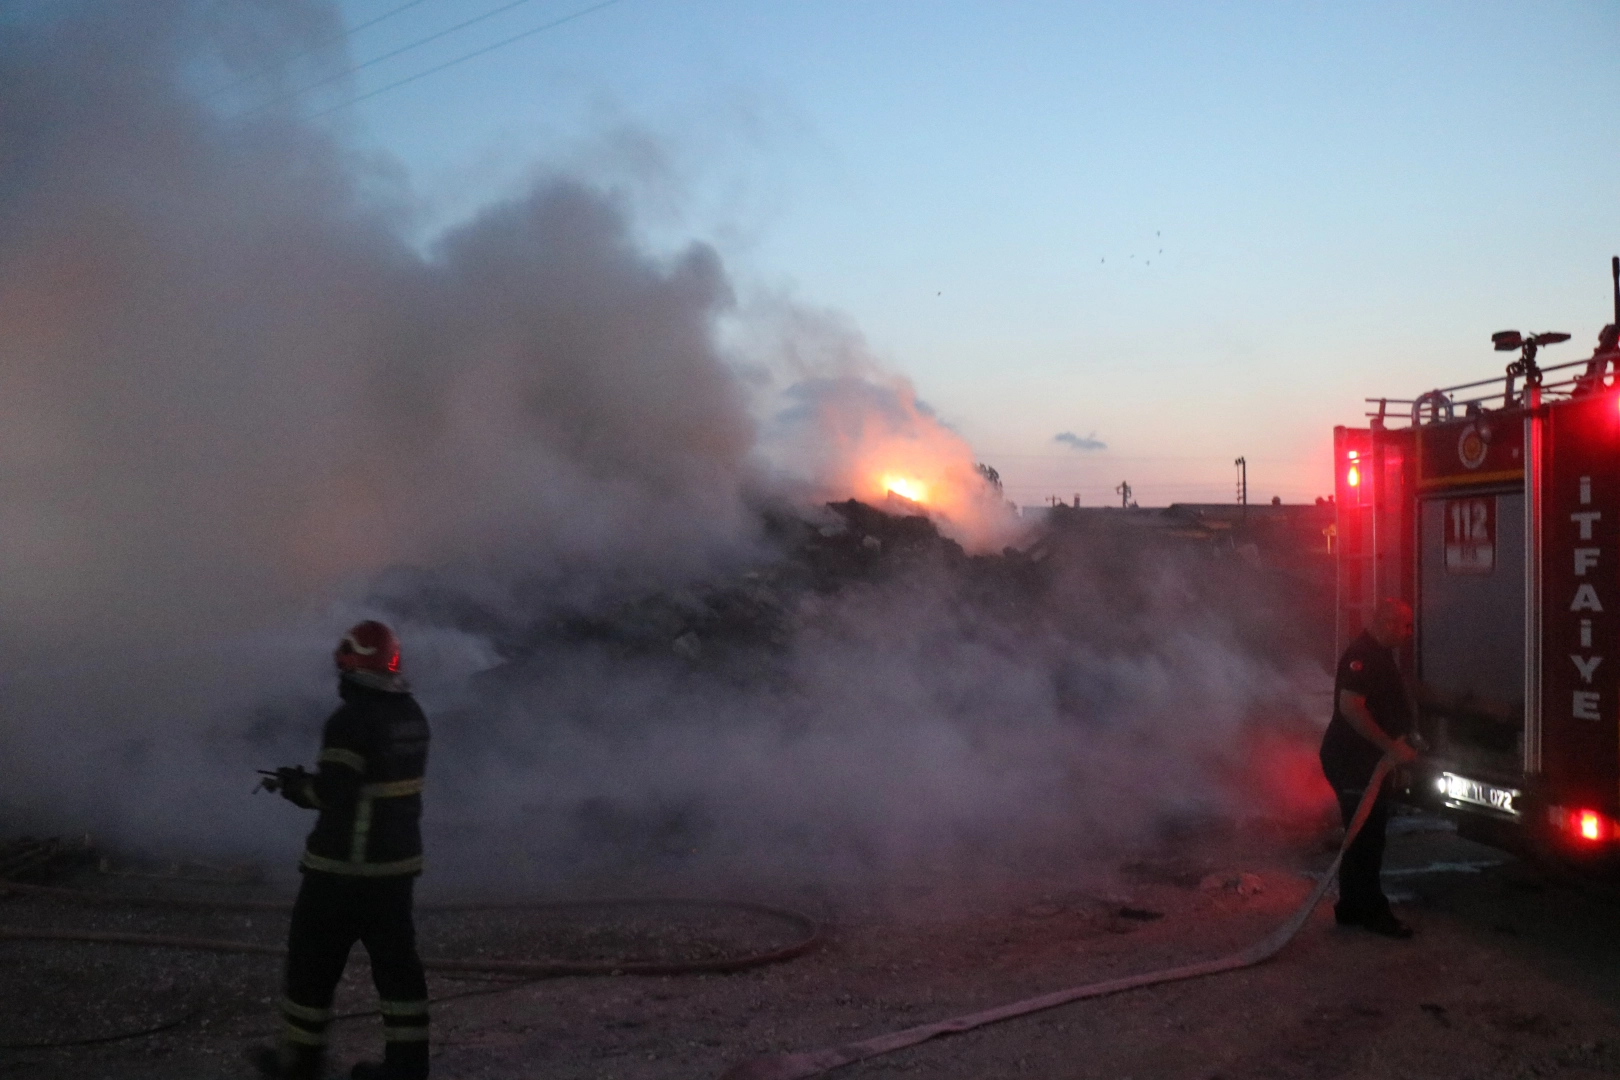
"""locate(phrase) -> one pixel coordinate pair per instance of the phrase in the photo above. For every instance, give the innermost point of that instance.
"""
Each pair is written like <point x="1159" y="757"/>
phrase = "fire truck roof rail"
<point x="1508" y="394"/>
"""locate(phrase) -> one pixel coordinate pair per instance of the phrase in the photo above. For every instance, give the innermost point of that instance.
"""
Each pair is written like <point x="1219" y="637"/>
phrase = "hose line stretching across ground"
<point x="814" y="1062"/>
<point x="522" y="971"/>
<point x="529" y="969"/>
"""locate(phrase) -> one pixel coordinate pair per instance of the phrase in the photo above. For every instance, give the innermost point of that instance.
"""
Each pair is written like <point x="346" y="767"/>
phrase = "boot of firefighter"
<point x="405" y="1043"/>
<point x="394" y="1066"/>
<point x="289" y="1061"/>
<point x="300" y="1053"/>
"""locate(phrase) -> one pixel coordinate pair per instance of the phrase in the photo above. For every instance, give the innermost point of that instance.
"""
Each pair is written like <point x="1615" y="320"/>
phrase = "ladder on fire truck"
<point x="1369" y="475"/>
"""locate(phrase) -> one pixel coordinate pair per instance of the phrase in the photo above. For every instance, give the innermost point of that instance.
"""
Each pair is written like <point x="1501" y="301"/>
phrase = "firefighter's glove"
<point x="293" y="783"/>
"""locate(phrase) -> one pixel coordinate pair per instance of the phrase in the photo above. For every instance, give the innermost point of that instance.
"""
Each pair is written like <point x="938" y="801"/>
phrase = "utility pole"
<point x="1242" y="481"/>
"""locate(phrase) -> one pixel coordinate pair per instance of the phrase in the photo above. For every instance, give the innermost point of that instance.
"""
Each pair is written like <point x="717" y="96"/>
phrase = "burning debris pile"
<point x="851" y="544"/>
<point x="864" y="698"/>
<point x="814" y="558"/>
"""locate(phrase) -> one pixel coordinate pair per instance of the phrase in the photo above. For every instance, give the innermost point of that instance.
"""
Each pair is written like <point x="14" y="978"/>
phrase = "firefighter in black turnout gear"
<point x="359" y="867"/>
<point x="1372" y="716"/>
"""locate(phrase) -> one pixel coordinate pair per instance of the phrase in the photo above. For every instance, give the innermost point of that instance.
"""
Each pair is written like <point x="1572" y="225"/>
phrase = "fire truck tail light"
<point x="1353" y="477"/>
<point x="1588" y="826"/>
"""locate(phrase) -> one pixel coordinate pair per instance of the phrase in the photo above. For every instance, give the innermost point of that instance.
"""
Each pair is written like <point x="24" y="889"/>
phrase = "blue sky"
<point x="1194" y="230"/>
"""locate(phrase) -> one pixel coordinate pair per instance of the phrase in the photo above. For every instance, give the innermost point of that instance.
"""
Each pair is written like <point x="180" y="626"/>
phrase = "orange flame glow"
<point x="906" y="488"/>
<point x="867" y="437"/>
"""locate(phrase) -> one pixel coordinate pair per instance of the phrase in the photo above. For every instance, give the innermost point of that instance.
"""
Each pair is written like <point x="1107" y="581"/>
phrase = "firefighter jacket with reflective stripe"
<point x="369" y="785"/>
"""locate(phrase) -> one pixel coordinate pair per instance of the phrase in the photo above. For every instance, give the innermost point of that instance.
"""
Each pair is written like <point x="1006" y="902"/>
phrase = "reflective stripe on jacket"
<point x="369" y="785"/>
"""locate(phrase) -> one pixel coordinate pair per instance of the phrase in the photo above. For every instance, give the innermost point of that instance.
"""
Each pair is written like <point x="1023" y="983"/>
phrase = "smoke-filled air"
<point x="244" y="403"/>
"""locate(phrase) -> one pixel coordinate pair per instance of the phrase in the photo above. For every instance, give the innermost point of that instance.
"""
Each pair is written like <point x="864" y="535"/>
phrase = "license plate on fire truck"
<point x="1463" y="790"/>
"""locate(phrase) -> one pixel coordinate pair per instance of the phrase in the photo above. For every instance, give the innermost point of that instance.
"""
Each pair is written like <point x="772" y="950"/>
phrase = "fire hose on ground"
<point x="529" y="969"/>
<point x="795" y="1066"/>
<point x="520" y="971"/>
<point x="814" y="1062"/>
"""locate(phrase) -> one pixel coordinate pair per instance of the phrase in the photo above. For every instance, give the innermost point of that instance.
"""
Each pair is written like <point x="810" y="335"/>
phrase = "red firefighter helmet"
<point x="368" y="646"/>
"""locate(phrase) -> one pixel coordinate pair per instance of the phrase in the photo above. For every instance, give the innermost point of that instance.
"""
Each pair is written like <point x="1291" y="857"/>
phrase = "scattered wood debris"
<point x="41" y="859"/>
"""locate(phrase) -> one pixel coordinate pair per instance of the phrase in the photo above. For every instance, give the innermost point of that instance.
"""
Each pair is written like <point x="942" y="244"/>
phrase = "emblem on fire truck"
<point x="1473" y="445"/>
<point x="1470" y="535"/>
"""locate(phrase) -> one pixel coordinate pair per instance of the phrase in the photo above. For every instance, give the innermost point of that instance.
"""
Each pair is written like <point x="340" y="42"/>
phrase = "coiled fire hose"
<point x="774" y="1067"/>
<point x="814" y="1062"/>
<point x="528" y="969"/>
<point x="514" y="973"/>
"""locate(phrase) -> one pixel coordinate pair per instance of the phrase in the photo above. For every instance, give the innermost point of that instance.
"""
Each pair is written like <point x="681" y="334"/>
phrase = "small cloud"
<point x="1080" y="442"/>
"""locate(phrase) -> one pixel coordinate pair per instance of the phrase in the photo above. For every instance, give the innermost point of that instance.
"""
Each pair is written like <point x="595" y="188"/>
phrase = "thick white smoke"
<point x="231" y="392"/>
<point x="239" y="408"/>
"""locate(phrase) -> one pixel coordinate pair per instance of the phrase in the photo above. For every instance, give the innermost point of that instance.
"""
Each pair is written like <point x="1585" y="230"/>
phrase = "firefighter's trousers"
<point x="333" y="912"/>
<point x="1361" y="893"/>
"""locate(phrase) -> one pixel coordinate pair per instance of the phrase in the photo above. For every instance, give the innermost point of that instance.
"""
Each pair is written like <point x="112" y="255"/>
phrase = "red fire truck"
<point x="1493" y="508"/>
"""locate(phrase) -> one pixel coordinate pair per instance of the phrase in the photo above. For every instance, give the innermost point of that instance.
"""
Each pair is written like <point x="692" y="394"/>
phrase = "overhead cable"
<point x="387" y="56"/>
<point x="339" y="36"/>
<point x="468" y="56"/>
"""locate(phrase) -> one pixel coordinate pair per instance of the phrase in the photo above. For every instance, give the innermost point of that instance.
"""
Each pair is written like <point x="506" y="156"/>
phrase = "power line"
<point x="385" y="56"/>
<point x="339" y="36"/>
<point x="467" y="56"/>
<point x="1103" y="459"/>
<point x="389" y="14"/>
<point x="1094" y="490"/>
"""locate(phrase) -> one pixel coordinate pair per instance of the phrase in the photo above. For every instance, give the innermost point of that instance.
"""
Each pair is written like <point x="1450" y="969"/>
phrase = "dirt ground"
<point x="1512" y="974"/>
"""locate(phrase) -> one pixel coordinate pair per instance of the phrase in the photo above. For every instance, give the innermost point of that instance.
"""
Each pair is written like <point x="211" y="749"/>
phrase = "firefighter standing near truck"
<point x="359" y="867"/>
<point x="1372" y="716"/>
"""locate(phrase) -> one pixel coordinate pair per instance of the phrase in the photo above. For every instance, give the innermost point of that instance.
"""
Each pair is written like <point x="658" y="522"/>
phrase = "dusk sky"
<point x="1176" y="232"/>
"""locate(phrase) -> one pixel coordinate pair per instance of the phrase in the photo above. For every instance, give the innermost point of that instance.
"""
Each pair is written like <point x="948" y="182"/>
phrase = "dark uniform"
<point x="360" y="866"/>
<point x="1348" y="760"/>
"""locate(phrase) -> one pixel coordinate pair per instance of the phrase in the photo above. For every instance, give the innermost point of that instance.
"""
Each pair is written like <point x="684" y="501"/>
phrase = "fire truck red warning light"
<point x="1587" y="826"/>
<point x="1353" y="477"/>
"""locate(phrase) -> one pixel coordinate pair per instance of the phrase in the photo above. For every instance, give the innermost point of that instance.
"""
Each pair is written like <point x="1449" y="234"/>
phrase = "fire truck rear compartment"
<point x="1493" y="507"/>
<point x="1470" y="633"/>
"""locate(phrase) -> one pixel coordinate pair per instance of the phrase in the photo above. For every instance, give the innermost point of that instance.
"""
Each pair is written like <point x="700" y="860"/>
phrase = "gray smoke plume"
<point x="1080" y="442"/>
<point x="239" y="409"/>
